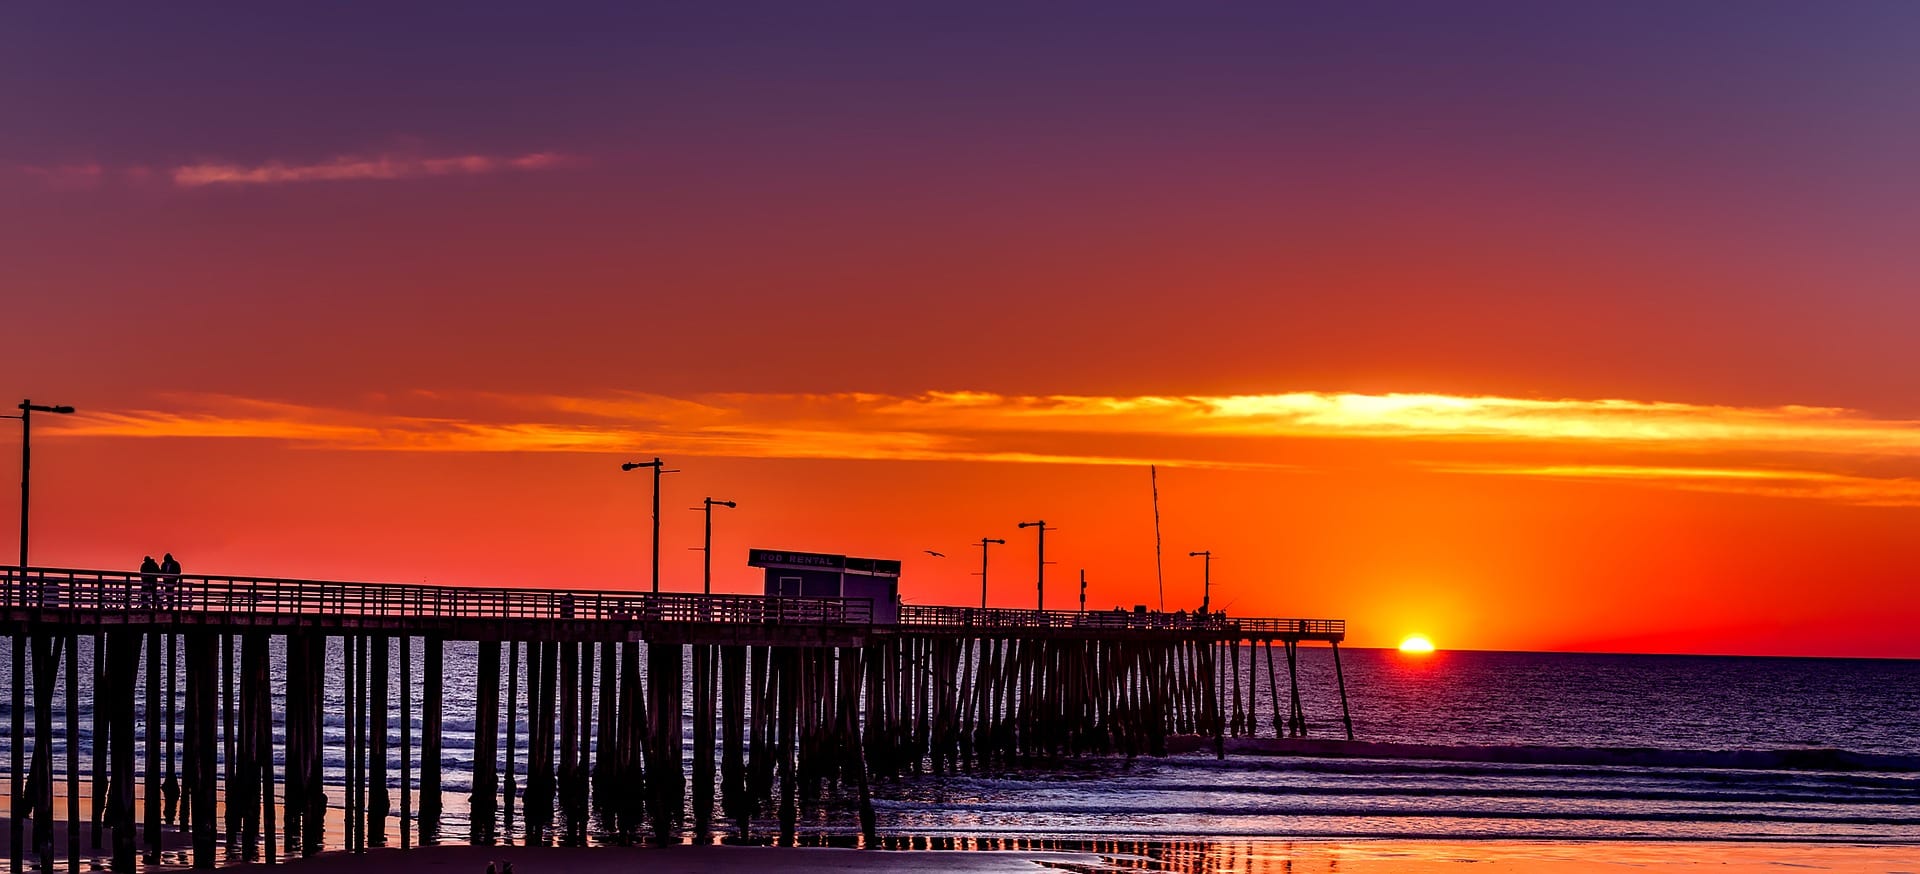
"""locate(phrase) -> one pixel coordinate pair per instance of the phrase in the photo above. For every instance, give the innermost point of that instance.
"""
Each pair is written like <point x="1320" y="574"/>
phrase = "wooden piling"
<point x="379" y="804"/>
<point x="73" y="752"/>
<point x="543" y="682"/>
<point x="787" y="665"/>
<point x="509" y="789"/>
<point x="406" y="742"/>
<point x="630" y="802"/>
<point x="738" y="806"/>
<point x="153" y="750"/>
<point x="170" y="786"/>
<point x="703" y="724"/>
<point x="486" y="735"/>
<point x="46" y="669"/>
<point x="99" y="752"/>
<point x="569" y="775"/>
<point x="1346" y="715"/>
<point x="350" y="744"/>
<point x="17" y="797"/>
<point x="605" y="743"/>
<point x="432" y="692"/>
<point x="123" y="654"/>
<point x="202" y="734"/>
<point x="666" y="783"/>
<point x="579" y="805"/>
<point x="298" y="702"/>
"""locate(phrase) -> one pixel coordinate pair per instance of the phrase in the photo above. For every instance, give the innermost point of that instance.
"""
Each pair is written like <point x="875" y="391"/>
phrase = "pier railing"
<point x="91" y="590"/>
<point x="74" y="590"/>
<point x="1000" y="617"/>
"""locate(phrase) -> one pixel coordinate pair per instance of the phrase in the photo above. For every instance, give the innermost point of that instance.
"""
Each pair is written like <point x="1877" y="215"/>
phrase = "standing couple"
<point x="160" y="579"/>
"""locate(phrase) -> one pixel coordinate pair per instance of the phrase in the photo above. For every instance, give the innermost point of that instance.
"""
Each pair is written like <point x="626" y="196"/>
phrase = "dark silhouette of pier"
<point x="788" y="694"/>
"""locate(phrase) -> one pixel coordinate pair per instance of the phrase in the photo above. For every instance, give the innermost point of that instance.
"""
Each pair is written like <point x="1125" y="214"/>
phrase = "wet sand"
<point x="1250" y="857"/>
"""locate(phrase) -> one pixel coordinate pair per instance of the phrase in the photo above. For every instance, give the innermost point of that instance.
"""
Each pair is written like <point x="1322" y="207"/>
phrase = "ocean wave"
<point x="1161" y="809"/>
<point x="1808" y="759"/>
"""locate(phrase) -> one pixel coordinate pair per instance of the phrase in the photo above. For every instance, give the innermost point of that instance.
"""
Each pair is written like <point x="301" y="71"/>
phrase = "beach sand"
<point x="1236" y="857"/>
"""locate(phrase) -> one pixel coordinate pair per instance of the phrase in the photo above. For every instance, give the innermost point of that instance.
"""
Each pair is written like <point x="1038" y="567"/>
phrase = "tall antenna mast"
<point x="1153" y="471"/>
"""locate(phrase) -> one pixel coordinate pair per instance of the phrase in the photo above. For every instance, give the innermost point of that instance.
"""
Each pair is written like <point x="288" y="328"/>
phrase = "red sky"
<point x="1522" y="328"/>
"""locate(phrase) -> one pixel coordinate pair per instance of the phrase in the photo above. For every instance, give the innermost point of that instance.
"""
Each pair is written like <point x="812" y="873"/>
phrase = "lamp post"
<point x="27" y="409"/>
<point x="658" y="469"/>
<point x="1040" y="583"/>
<point x="706" y="548"/>
<point x="17" y="832"/>
<point x="1206" y="593"/>
<point x="1083" y="590"/>
<point x="984" y="541"/>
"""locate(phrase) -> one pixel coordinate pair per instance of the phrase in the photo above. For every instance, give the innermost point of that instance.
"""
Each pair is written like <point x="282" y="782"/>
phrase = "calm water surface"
<point x="1665" y="704"/>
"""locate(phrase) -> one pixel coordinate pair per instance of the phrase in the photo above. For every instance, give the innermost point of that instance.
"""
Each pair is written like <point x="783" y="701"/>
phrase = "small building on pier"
<point x="825" y="575"/>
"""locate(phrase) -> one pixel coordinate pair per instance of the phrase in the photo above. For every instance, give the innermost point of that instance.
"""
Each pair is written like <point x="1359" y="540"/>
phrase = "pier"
<point x="787" y="696"/>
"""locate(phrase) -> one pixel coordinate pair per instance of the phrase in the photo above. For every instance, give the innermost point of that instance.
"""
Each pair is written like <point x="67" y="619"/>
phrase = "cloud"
<point x="359" y="167"/>
<point x="1821" y="485"/>
<point x="1795" y="451"/>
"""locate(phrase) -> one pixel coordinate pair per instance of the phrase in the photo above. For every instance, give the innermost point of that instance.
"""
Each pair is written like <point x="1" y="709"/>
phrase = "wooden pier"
<point x="787" y="697"/>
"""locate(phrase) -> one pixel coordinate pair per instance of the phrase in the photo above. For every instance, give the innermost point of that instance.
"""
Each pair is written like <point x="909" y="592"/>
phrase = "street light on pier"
<point x="984" y="541"/>
<point x="1206" y="593"/>
<point x="27" y="409"/>
<point x="1040" y="583"/>
<point x="706" y="549"/>
<point x="658" y="469"/>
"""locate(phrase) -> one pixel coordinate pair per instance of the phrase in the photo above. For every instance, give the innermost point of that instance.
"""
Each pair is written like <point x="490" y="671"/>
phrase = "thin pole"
<point x="706" y="546"/>
<point x="1040" y="581"/>
<point x="656" y="524"/>
<point x="1206" y="596"/>
<point x="984" y="543"/>
<point x="26" y="464"/>
<point x="1153" y="472"/>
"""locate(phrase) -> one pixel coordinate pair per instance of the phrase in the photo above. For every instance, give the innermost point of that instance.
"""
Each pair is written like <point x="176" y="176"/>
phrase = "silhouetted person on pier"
<point x="170" y="579"/>
<point x="149" y="581"/>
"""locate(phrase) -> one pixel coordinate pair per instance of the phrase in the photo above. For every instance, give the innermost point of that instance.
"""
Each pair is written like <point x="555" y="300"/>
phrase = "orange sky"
<point x="1525" y="329"/>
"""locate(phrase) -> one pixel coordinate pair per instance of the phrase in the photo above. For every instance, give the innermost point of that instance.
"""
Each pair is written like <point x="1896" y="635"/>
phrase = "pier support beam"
<point x="406" y="742"/>
<point x="703" y="722"/>
<point x="123" y="654"/>
<point x="432" y="665"/>
<point x="153" y="749"/>
<point x="203" y="735"/>
<point x="379" y="804"/>
<point x="1345" y="714"/>
<point x="486" y="734"/>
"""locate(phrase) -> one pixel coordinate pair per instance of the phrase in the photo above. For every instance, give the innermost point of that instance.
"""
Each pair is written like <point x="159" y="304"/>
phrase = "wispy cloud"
<point x="1747" y="449"/>
<point x="359" y="167"/>
<point x="1815" y="484"/>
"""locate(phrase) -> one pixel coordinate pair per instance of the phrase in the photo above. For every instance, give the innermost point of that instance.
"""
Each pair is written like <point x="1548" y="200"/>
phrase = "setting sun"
<point x="1417" y="643"/>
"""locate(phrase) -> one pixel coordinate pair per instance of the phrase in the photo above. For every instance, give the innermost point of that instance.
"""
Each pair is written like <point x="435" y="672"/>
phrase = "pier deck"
<point x="788" y="693"/>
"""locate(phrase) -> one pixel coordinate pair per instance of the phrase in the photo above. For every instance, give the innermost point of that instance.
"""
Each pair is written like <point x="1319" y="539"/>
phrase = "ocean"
<point x="1484" y="745"/>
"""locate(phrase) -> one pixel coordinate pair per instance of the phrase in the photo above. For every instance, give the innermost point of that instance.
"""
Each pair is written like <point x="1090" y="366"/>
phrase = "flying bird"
<point x="934" y="554"/>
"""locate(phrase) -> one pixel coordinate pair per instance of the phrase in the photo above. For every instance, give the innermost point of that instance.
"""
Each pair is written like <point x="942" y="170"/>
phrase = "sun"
<point x="1416" y="643"/>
